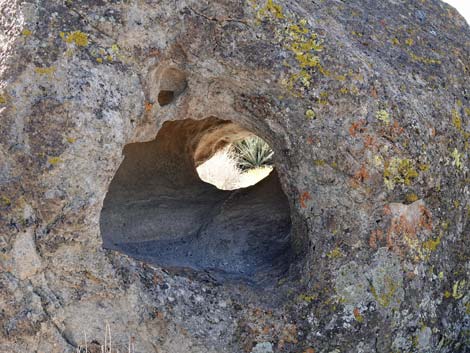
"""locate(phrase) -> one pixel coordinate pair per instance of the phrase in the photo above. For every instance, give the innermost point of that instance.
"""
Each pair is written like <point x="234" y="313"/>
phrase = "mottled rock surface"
<point x="367" y="107"/>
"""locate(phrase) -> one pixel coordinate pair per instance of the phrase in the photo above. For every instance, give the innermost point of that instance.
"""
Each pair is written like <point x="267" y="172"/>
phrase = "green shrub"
<point x="252" y="152"/>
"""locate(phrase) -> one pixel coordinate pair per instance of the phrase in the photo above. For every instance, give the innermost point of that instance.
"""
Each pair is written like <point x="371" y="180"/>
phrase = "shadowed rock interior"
<point x="158" y="209"/>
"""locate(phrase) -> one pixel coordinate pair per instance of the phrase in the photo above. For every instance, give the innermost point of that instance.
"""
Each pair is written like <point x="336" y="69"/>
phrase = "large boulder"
<point x="358" y="242"/>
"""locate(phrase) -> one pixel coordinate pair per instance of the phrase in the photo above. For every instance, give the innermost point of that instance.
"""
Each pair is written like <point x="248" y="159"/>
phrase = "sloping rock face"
<point x="367" y="107"/>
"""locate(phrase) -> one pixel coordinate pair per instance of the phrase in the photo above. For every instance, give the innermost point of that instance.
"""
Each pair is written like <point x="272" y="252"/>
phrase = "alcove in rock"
<point x="158" y="210"/>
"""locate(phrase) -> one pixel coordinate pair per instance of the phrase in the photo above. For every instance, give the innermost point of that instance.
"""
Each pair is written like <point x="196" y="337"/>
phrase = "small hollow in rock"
<point x="172" y="83"/>
<point x="158" y="210"/>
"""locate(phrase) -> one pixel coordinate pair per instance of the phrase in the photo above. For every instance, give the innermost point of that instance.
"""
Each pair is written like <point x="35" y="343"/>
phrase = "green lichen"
<point x="458" y="289"/>
<point x="456" y="119"/>
<point x="385" y="298"/>
<point x="309" y="113"/>
<point x="457" y="159"/>
<point x="399" y="171"/>
<point x="307" y="297"/>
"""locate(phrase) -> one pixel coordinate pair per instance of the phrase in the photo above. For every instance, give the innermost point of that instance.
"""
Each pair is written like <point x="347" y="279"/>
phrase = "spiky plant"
<point x="253" y="152"/>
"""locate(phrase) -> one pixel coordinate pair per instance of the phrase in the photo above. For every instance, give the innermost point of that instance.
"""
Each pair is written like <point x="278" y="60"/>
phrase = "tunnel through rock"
<point x="158" y="210"/>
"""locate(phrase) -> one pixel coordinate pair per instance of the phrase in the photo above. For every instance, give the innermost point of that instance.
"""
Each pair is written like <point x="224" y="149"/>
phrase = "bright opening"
<point x="239" y="165"/>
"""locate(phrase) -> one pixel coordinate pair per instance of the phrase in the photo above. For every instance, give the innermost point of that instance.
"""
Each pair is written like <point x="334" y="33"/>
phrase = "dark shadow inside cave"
<point x="158" y="210"/>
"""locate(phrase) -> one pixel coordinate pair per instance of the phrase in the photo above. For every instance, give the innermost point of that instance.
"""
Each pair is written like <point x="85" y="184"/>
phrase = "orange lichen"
<point x="357" y="315"/>
<point x="357" y="126"/>
<point x="148" y="106"/>
<point x="369" y="141"/>
<point x="305" y="196"/>
<point x="362" y="174"/>
<point x="375" y="236"/>
<point x="408" y="221"/>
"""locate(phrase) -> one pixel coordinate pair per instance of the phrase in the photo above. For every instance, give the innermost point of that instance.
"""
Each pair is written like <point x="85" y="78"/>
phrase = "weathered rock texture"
<point x="367" y="107"/>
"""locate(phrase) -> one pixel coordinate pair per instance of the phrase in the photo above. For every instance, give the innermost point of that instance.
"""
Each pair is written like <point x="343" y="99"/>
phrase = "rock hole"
<point x="165" y="97"/>
<point x="158" y="210"/>
<point x="238" y="164"/>
<point x="172" y="83"/>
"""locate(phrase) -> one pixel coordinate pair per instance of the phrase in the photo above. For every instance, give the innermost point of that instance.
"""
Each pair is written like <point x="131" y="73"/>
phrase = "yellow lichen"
<point x="71" y="139"/>
<point x="26" y="32"/>
<point x="457" y="159"/>
<point x="5" y="201"/>
<point x="458" y="289"/>
<point x="383" y="116"/>
<point x="79" y="38"/>
<point x="385" y="298"/>
<point x="424" y="60"/>
<point x="378" y="161"/>
<point x="308" y="298"/>
<point x="100" y="60"/>
<point x="412" y="197"/>
<point x="54" y="160"/>
<point x="423" y="167"/>
<point x="302" y="43"/>
<point x="409" y="42"/>
<point x="456" y="119"/>
<point x="335" y="253"/>
<point x="3" y="99"/>
<point x="272" y="9"/>
<point x="45" y="70"/>
<point x="399" y="171"/>
<point x="323" y="100"/>
<point x="432" y="244"/>
<point x="310" y="114"/>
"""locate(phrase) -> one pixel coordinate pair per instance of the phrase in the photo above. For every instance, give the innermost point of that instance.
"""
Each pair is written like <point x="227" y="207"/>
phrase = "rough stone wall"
<point x="367" y="106"/>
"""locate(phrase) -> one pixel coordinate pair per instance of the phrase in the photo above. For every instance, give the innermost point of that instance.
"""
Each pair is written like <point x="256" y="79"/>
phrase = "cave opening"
<point x="240" y="164"/>
<point x="159" y="210"/>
